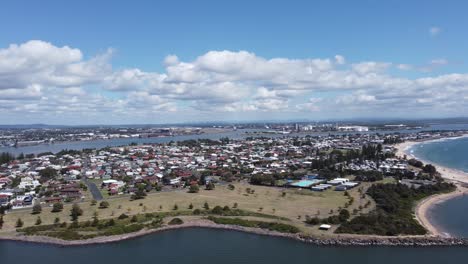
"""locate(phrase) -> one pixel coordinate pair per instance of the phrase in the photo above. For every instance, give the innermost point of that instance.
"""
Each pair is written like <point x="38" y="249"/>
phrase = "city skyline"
<point x="140" y="64"/>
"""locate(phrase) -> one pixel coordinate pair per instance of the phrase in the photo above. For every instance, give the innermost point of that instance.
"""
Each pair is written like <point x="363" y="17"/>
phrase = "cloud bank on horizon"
<point x="40" y="82"/>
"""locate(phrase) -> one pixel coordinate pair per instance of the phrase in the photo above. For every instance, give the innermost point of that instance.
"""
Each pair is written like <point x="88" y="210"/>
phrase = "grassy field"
<point x="293" y="204"/>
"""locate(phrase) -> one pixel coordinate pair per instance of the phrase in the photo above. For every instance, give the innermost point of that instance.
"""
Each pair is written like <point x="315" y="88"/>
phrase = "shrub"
<point x="210" y="186"/>
<point x="57" y="207"/>
<point x="194" y="188"/>
<point x="134" y="219"/>
<point x="312" y="220"/>
<point x="37" y="209"/>
<point x="123" y="216"/>
<point x="217" y="210"/>
<point x="176" y="221"/>
<point x="104" y="204"/>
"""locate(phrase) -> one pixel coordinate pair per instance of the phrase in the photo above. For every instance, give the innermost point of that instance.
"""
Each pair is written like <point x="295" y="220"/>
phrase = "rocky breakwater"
<point x="386" y="241"/>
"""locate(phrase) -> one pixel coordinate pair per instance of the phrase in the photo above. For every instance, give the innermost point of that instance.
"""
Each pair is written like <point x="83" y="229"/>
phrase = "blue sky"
<point x="409" y="40"/>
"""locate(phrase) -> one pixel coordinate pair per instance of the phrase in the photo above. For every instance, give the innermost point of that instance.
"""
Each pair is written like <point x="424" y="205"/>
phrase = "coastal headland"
<point x="459" y="178"/>
<point x="377" y="212"/>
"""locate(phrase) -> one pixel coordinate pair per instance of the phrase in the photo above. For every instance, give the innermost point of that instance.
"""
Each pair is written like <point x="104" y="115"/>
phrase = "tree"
<point x="344" y="215"/>
<point x="429" y="168"/>
<point x="38" y="220"/>
<point x="176" y="207"/>
<point x="93" y="202"/>
<point x="19" y="223"/>
<point x="103" y="204"/>
<point x="95" y="219"/>
<point x="75" y="212"/>
<point x="6" y="157"/>
<point x="57" y="220"/>
<point x="1" y="221"/>
<point x="57" y="207"/>
<point x="176" y="221"/>
<point x="416" y="163"/>
<point x="194" y="188"/>
<point x="47" y="173"/>
<point x="140" y="194"/>
<point x="190" y="206"/>
<point x="206" y="206"/>
<point x="37" y="209"/>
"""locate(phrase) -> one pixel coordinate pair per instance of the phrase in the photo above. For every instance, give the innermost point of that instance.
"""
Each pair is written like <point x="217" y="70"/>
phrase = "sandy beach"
<point x="456" y="176"/>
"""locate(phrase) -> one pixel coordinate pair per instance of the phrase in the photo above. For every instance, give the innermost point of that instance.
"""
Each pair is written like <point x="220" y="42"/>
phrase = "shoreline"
<point x="344" y="240"/>
<point x="456" y="176"/>
<point x="435" y="237"/>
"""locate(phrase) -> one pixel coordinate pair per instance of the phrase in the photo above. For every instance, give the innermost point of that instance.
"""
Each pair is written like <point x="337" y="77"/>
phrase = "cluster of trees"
<point x="393" y="215"/>
<point x="369" y="176"/>
<point x="342" y="217"/>
<point x="71" y="152"/>
<point x="47" y="174"/>
<point x="415" y="163"/>
<point x="429" y="168"/>
<point x="262" y="179"/>
<point x="371" y="151"/>
<point x="6" y="157"/>
<point x="392" y="140"/>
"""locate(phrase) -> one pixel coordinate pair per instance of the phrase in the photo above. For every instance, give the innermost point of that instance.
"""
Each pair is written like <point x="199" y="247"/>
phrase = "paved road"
<point x="97" y="195"/>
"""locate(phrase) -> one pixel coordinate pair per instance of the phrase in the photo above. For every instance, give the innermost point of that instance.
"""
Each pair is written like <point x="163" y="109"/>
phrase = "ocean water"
<point x="208" y="246"/>
<point x="452" y="153"/>
<point x="450" y="216"/>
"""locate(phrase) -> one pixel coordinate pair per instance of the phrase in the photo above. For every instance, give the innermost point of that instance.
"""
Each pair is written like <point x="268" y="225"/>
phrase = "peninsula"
<point x="336" y="189"/>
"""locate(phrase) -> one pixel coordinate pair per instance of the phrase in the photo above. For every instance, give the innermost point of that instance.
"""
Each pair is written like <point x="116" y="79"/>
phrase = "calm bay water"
<point x="208" y="246"/>
<point x="241" y="133"/>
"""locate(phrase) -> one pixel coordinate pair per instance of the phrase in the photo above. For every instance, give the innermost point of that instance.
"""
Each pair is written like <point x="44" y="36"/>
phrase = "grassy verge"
<point x="96" y="228"/>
